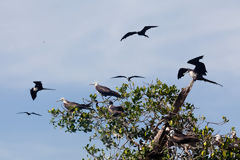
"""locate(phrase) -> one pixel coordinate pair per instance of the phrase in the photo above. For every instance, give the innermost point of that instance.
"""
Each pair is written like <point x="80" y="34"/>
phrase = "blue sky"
<point x="68" y="44"/>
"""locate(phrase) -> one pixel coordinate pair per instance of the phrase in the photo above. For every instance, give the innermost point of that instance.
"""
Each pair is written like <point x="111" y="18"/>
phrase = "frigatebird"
<point x="180" y="138"/>
<point x="29" y="113"/>
<point x="140" y="33"/>
<point x="128" y="78"/>
<point x="38" y="87"/>
<point x="72" y="105"/>
<point x="105" y="91"/>
<point x="198" y="72"/>
<point x="115" y="110"/>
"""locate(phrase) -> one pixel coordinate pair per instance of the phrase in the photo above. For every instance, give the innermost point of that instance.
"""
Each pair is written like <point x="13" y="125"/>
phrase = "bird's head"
<point x="61" y="99"/>
<point x="234" y="134"/>
<point x="217" y="137"/>
<point x="94" y="83"/>
<point x="172" y="132"/>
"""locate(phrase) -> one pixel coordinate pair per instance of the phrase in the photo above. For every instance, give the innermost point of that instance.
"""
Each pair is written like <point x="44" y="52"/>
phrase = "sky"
<point x="69" y="44"/>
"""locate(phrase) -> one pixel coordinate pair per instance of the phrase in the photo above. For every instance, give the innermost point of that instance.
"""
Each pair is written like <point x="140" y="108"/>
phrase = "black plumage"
<point x="105" y="91"/>
<point x="128" y="78"/>
<point x="140" y="33"/>
<point x="38" y="87"/>
<point x="29" y="113"/>
<point x="198" y="72"/>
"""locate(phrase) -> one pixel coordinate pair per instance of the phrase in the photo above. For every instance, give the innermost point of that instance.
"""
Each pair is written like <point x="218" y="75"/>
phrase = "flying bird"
<point x="115" y="110"/>
<point x="128" y="78"/>
<point x="105" y="91"/>
<point x="38" y="87"/>
<point x="72" y="105"/>
<point x="140" y="33"/>
<point x="198" y="72"/>
<point x="29" y="113"/>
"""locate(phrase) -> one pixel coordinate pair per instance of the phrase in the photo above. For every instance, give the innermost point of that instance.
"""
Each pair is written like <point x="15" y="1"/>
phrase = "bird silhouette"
<point x="38" y="87"/>
<point x="29" y="113"/>
<point x="105" y="91"/>
<point x="198" y="72"/>
<point x="140" y="33"/>
<point x="128" y="78"/>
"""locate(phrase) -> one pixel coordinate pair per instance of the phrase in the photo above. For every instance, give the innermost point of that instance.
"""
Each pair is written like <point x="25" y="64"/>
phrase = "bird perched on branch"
<point x="105" y="91"/>
<point x="29" y="113"/>
<point x="115" y="110"/>
<point x="140" y="33"/>
<point x="38" y="87"/>
<point x="198" y="72"/>
<point x="128" y="78"/>
<point x="72" y="105"/>
<point x="180" y="138"/>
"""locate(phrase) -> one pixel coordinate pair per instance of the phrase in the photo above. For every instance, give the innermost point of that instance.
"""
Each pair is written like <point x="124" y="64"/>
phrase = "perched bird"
<point x="140" y="33"/>
<point x="38" y="87"/>
<point x="105" y="91"/>
<point x="180" y="138"/>
<point x="72" y="105"/>
<point x="128" y="78"/>
<point x="115" y="110"/>
<point x="198" y="72"/>
<point x="28" y="113"/>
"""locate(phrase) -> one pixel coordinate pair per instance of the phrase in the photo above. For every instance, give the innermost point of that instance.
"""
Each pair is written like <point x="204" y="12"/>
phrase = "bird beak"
<point x="91" y="84"/>
<point x="58" y="100"/>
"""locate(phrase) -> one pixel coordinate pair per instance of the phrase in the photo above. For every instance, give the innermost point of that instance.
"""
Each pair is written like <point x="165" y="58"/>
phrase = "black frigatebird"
<point x="105" y="91"/>
<point x="72" y="105"/>
<point x="115" y="110"/>
<point x="29" y="113"/>
<point x="140" y="33"/>
<point x="38" y="87"/>
<point x="198" y="72"/>
<point x="128" y="78"/>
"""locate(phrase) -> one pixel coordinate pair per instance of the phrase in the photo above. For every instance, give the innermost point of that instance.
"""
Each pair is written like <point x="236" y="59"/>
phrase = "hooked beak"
<point x="59" y="100"/>
<point x="91" y="84"/>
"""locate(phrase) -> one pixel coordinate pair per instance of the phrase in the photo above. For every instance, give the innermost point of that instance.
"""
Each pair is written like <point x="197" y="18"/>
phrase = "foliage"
<point x="131" y="135"/>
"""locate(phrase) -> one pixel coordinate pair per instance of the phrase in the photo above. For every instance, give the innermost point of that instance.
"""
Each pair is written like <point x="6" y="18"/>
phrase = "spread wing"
<point x="38" y="84"/>
<point x="195" y="61"/>
<point x="181" y="72"/>
<point x="128" y="34"/>
<point x="119" y="77"/>
<point x="36" y="114"/>
<point x="22" y="112"/>
<point x="200" y="67"/>
<point x="147" y="28"/>
<point x="135" y="77"/>
<point x="33" y="93"/>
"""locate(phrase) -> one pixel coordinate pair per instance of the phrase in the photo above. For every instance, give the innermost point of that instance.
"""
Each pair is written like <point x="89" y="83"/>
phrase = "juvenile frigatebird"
<point x="180" y="138"/>
<point x="105" y="91"/>
<point x="140" y="33"/>
<point x="38" y="87"/>
<point x="72" y="105"/>
<point x="128" y="78"/>
<point x="115" y="110"/>
<point x="29" y="113"/>
<point x="198" y="72"/>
